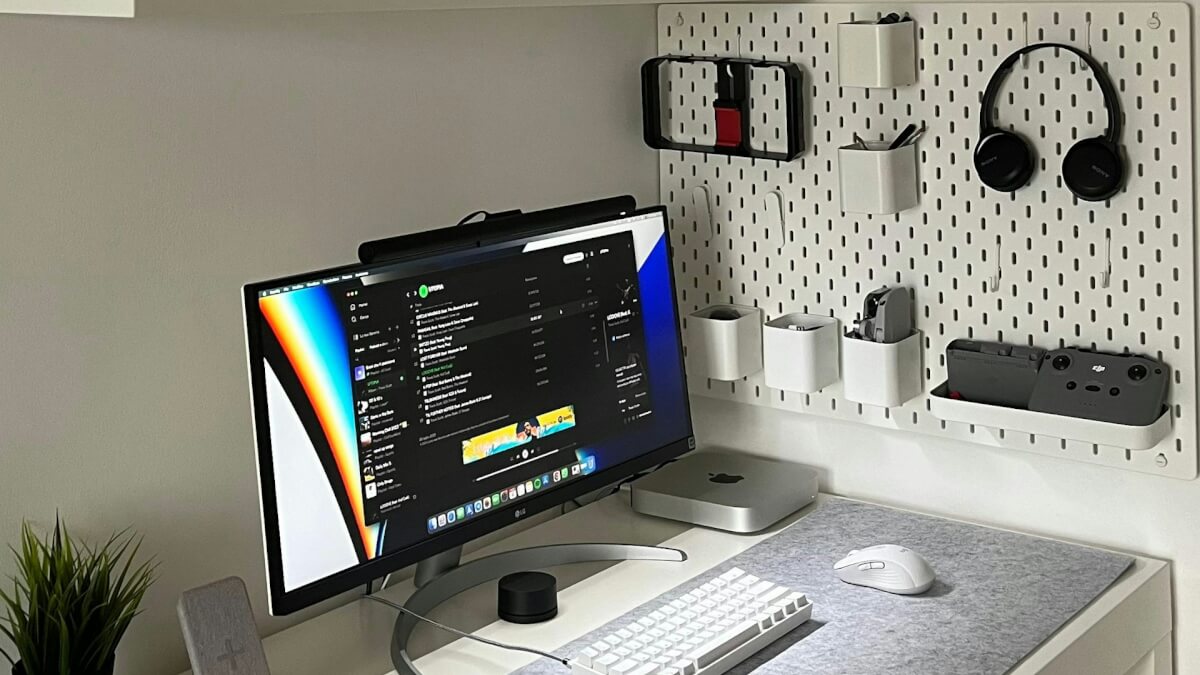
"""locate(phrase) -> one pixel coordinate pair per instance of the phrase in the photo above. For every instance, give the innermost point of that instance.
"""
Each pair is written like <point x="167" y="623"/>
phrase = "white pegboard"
<point x="1047" y="249"/>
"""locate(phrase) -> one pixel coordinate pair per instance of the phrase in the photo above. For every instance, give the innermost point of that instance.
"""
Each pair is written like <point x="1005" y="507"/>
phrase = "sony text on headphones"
<point x="1093" y="168"/>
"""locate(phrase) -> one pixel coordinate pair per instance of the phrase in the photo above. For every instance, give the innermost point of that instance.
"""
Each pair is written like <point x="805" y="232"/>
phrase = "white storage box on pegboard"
<point x="800" y="352"/>
<point x="725" y="342"/>
<point x="877" y="179"/>
<point x="880" y="374"/>
<point x="877" y="55"/>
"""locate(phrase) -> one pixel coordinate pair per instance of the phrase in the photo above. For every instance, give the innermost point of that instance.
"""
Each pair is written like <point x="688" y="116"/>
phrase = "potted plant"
<point x="70" y="603"/>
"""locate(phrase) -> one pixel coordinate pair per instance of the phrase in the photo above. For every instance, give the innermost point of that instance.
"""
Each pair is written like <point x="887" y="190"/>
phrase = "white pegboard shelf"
<point x="1000" y="420"/>
<point x="1035" y="267"/>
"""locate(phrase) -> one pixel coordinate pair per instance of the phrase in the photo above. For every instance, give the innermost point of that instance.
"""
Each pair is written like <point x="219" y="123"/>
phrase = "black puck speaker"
<point x="528" y="597"/>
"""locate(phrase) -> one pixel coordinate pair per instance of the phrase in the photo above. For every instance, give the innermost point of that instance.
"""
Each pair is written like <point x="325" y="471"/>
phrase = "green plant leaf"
<point x="71" y="602"/>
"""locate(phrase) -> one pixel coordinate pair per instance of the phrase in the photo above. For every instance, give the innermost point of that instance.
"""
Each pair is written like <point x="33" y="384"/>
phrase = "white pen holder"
<point x="725" y="348"/>
<point x="800" y="352"/>
<point x="876" y="55"/>
<point x="885" y="375"/>
<point x="878" y="180"/>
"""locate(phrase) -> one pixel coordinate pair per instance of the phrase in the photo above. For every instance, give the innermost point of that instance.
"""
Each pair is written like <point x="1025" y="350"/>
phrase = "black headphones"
<point x="1093" y="168"/>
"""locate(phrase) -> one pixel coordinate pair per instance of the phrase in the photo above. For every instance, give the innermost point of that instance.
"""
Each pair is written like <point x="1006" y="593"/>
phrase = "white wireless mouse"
<point x="886" y="567"/>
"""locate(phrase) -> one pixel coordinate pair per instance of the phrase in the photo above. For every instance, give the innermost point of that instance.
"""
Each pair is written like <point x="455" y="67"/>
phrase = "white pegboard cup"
<point x="876" y="55"/>
<point x="882" y="374"/>
<point x="800" y="352"/>
<point x="999" y="419"/>
<point x="725" y="349"/>
<point x="878" y="180"/>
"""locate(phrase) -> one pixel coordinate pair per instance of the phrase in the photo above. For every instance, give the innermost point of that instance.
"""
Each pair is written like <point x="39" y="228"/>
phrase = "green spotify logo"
<point x="423" y="291"/>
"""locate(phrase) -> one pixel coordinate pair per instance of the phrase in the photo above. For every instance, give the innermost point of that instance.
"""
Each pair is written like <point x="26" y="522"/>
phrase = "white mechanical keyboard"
<point x="706" y="632"/>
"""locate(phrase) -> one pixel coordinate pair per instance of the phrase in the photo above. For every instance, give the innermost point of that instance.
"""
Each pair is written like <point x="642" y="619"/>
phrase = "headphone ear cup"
<point x="1093" y="169"/>
<point x="1003" y="160"/>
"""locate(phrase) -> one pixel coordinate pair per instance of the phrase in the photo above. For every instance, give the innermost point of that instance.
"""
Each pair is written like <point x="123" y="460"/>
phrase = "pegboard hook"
<point x="703" y="203"/>
<point x="1106" y="273"/>
<point x="777" y="212"/>
<point x="994" y="280"/>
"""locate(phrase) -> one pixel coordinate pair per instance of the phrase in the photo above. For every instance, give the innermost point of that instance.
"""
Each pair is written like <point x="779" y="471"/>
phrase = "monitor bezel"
<point x="283" y="602"/>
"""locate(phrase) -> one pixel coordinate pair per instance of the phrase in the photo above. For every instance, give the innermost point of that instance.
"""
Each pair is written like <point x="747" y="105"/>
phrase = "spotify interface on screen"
<point x="479" y="385"/>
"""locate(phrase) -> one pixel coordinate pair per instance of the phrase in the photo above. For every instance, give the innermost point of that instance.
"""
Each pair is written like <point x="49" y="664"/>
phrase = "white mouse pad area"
<point x="998" y="595"/>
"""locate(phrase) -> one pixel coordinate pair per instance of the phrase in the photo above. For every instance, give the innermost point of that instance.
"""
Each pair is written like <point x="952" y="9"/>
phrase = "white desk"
<point x="1126" y="631"/>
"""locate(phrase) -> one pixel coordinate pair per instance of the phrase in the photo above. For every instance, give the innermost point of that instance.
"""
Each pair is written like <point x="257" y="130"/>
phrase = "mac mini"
<point x="726" y="491"/>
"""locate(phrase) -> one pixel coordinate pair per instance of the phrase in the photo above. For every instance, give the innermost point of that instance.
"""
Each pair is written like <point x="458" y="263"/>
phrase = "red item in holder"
<point x="729" y="127"/>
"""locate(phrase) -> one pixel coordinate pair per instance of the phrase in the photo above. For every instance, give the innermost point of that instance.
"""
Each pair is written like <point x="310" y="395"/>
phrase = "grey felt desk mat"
<point x="998" y="596"/>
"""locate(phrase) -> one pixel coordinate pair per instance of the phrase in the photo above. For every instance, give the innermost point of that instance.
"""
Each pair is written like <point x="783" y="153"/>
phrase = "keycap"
<point x="586" y="655"/>
<point x="707" y="653"/>
<point x="774" y="594"/>
<point x="731" y="574"/>
<point x="601" y="664"/>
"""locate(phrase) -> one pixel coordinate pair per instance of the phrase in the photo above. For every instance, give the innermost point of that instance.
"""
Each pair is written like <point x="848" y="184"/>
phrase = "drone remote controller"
<point x="1122" y="389"/>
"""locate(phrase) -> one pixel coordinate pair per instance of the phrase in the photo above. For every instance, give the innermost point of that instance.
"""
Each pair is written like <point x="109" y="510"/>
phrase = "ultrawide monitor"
<point x="404" y="408"/>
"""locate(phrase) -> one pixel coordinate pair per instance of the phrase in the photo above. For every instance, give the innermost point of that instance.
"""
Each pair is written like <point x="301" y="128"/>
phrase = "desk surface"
<point x="1124" y="627"/>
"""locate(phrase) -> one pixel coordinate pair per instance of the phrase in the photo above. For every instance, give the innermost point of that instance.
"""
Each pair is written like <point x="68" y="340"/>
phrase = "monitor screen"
<point x="404" y="408"/>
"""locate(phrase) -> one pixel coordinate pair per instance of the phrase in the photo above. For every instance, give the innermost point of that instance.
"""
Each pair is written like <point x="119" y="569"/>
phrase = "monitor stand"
<point x="442" y="577"/>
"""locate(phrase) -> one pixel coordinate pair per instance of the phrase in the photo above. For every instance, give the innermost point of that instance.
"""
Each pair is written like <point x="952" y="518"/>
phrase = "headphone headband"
<point x="1112" y="134"/>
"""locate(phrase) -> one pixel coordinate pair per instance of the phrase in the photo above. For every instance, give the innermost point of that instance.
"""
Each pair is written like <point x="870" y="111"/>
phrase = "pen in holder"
<point x="877" y="177"/>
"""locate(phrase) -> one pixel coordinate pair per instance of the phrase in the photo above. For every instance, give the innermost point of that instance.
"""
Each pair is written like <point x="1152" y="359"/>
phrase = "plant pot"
<point x="106" y="670"/>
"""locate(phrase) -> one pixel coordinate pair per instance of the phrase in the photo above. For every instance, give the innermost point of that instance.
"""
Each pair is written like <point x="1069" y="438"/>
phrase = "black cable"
<point x="454" y="631"/>
<point x="617" y="488"/>
<point x="470" y="216"/>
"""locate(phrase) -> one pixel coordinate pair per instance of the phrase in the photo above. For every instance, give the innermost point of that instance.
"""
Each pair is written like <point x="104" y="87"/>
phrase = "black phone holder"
<point x="731" y="107"/>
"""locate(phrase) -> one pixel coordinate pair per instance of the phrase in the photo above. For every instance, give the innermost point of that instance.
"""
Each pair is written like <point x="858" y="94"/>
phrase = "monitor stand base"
<point x="443" y="579"/>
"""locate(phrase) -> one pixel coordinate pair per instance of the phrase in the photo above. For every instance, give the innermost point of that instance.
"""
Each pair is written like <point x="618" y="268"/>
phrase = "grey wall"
<point x="148" y="168"/>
